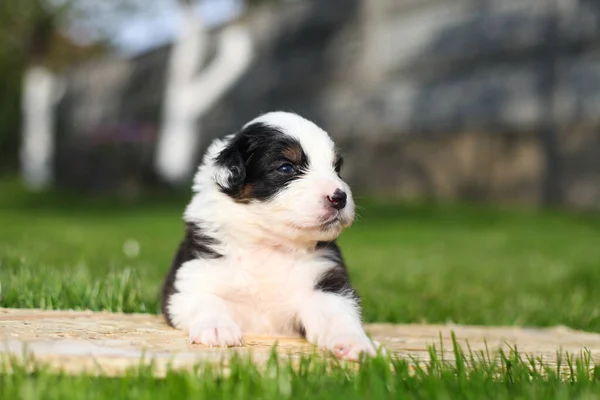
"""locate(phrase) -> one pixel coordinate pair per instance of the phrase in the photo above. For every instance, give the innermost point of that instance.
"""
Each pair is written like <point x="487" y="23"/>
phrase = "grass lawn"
<point x="410" y="263"/>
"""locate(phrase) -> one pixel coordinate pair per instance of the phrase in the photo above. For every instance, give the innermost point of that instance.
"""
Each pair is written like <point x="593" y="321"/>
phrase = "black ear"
<point x="230" y="168"/>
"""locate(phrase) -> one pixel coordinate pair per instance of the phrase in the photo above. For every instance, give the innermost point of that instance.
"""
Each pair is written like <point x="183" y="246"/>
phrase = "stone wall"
<point x="478" y="100"/>
<point x="492" y="100"/>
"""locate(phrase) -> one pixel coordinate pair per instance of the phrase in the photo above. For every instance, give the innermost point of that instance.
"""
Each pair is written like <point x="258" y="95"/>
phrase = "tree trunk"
<point x="189" y="93"/>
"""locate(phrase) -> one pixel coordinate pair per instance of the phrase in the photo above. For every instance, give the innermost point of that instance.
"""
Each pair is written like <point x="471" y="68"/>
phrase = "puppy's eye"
<point x="286" y="168"/>
<point x="338" y="165"/>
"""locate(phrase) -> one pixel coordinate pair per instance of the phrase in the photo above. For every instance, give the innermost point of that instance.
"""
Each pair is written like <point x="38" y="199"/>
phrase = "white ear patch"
<point x="222" y="176"/>
<point x="209" y="169"/>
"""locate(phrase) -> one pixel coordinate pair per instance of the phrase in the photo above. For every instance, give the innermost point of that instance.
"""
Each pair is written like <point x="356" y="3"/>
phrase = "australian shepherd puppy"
<point x="259" y="254"/>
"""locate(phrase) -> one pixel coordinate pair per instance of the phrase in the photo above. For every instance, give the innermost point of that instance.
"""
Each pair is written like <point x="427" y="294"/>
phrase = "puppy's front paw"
<point x="220" y="332"/>
<point x="350" y="347"/>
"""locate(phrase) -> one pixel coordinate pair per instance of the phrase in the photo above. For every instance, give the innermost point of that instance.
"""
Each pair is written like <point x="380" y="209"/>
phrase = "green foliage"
<point x="30" y="33"/>
<point x="10" y="109"/>
<point x="26" y="31"/>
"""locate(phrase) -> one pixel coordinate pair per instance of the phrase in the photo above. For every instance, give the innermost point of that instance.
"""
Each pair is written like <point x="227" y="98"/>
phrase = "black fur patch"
<point x="194" y="245"/>
<point x="301" y="330"/>
<point x="253" y="158"/>
<point x="336" y="279"/>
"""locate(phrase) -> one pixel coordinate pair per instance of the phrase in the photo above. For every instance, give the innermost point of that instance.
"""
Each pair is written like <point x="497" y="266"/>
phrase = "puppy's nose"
<point x="338" y="199"/>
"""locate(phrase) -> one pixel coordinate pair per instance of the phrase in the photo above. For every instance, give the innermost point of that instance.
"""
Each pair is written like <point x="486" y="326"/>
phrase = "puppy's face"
<point x="285" y="171"/>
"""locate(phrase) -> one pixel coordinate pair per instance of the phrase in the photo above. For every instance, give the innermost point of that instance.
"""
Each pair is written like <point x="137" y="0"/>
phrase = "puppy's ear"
<point x="230" y="170"/>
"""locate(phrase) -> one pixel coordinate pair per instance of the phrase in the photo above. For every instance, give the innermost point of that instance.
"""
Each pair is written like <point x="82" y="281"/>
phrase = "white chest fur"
<point x="261" y="288"/>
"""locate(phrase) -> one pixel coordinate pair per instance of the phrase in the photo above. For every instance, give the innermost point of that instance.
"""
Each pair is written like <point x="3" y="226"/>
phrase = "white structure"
<point x="190" y="91"/>
<point x="41" y="92"/>
<point x="191" y="88"/>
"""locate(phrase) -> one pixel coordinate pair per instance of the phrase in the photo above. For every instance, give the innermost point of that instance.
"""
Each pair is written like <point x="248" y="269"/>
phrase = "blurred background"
<point x="471" y="131"/>
<point x="488" y="101"/>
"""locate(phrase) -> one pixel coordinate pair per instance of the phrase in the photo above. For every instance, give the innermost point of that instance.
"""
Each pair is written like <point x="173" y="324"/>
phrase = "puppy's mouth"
<point x="334" y="222"/>
<point x="326" y="224"/>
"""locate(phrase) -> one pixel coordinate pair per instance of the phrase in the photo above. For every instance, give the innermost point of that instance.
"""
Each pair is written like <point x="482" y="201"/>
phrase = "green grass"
<point x="470" y="376"/>
<point x="410" y="263"/>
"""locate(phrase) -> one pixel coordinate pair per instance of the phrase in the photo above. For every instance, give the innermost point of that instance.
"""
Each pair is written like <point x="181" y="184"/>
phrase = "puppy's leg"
<point x="332" y="321"/>
<point x="206" y="319"/>
<point x="192" y="306"/>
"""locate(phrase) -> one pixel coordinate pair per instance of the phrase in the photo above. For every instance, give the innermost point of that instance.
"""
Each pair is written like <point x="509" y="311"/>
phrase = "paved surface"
<point x="109" y="343"/>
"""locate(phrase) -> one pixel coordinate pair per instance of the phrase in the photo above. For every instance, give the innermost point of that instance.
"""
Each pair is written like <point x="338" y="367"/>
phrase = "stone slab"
<point x="111" y="343"/>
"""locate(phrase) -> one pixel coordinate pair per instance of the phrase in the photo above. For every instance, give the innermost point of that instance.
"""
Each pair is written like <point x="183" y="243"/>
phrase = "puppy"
<point x="259" y="254"/>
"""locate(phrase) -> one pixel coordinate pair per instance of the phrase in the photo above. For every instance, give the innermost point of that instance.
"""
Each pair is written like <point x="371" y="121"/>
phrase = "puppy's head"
<point x="285" y="171"/>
